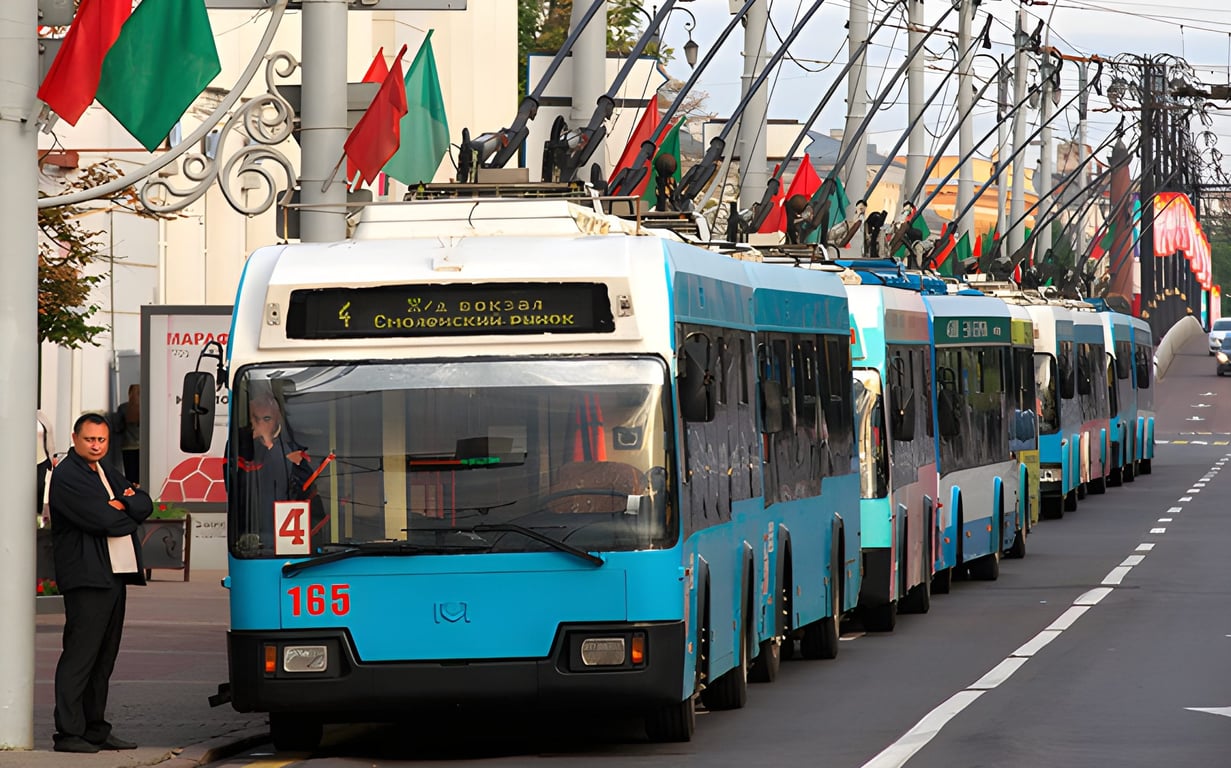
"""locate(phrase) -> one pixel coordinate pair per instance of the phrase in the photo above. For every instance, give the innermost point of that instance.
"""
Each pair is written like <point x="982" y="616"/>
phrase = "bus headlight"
<point x="603" y="651"/>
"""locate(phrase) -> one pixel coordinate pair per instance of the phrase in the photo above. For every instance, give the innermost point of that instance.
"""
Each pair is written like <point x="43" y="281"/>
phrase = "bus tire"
<point x="1116" y="478"/>
<point x="880" y="618"/>
<point x="1018" y="550"/>
<point x="1051" y="507"/>
<point x="672" y="722"/>
<point x="769" y="658"/>
<point x="1070" y="501"/>
<point x="1147" y="466"/>
<point x="730" y="690"/>
<point x="986" y="568"/>
<point x="1098" y="485"/>
<point x="821" y="637"/>
<point x="294" y="731"/>
<point x="1129" y="471"/>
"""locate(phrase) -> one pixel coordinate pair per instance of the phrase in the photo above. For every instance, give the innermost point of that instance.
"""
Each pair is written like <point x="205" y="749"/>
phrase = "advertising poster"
<point x="172" y="338"/>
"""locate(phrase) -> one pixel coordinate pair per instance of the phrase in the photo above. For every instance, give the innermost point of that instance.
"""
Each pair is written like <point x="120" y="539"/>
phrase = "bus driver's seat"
<point x="594" y="486"/>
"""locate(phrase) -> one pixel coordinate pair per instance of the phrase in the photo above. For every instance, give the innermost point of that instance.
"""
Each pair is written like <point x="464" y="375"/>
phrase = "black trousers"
<point x="93" y="624"/>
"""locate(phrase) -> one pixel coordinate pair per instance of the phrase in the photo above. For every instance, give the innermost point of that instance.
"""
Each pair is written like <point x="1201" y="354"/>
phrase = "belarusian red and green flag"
<point x="424" y="130"/>
<point x="378" y="133"/>
<point x="146" y="66"/>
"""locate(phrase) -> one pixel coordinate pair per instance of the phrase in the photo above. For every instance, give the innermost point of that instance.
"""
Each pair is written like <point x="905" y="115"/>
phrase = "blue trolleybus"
<point x="983" y="508"/>
<point x="1143" y="379"/>
<point x="545" y="468"/>
<point x="1058" y="408"/>
<point x="891" y="345"/>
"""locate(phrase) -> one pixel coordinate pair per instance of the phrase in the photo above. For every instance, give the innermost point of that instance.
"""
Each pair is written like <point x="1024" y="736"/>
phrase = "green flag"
<point x="839" y="205"/>
<point x="964" y="251"/>
<point x="920" y="226"/>
<point x="425" y="128"/>
<point x="161" y="61"/>
<point x="670" y="145"/>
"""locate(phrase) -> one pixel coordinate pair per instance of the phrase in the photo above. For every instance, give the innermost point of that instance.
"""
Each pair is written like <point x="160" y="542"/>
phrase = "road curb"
<point x="216" y="749"/>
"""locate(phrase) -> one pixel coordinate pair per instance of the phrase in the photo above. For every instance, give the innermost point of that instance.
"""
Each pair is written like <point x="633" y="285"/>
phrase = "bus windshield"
<point x="424" y="453"/>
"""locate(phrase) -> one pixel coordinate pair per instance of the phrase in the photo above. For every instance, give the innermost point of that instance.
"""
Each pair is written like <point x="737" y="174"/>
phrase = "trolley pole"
<point x="18" y="376"/>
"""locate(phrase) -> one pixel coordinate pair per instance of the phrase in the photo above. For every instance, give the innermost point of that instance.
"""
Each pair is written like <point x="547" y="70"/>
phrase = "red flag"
<point x="776" y="220"/>
<point x="977" y="251"/>
<point x="805" y="183"/>
<point x="641" y="134"/>
<point x="378" y="70"/>
<point x="942" y="256"/>
<point x="72" y="81"/>
<point x="378" y="133"/>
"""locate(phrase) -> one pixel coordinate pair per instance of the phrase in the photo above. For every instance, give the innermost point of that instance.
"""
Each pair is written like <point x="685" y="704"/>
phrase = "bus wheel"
<point x="730" y="690"/>
<point x="1116" y="478"/>
<point x="918" y="599"/>
<point x="1082" y="490"/>
<point x="294" y="732"/>
<point x="1051" y="507"/>
<point x="1129" y="472"/>
<point x="880" y="618"/>
<point x="1070" y="501"/>
<point x="986" y="568"/>
<point x="942" y="582"/>
<point x="1147" y="466"/>
<point x="1018" y="550"/>
<point x="1098" y="485"/>
<point x="765" y="666"/>
<point x="672" y="722"/>
<point x="820" y="640"/>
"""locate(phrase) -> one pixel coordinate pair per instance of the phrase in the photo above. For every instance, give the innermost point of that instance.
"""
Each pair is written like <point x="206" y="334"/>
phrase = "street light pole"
<point x="323" y="121"/>
<point x="18" y="377"/>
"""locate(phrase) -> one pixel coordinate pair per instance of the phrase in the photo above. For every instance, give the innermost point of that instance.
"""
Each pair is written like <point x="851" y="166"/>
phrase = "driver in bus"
<point x="273" y="467"/>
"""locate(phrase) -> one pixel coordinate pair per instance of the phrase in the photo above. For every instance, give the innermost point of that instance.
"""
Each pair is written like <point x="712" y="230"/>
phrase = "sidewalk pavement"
<point x="171" y="660"/>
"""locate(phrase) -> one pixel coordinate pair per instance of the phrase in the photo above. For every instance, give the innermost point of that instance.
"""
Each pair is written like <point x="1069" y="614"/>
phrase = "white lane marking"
<point x="897" y="753"/>
<point x="1175" y="510"/>
<point x="1132" y="560"/>
<point x="1037" y="643"/>
<point x="1144" y="547"/>
<point x="1200" y="442"/>
<point x="1116" y="575"/>
<point x="1165" y="519"/>
<point x="1224" y="711"/>
<point x="1185" y="498"/>
<point x="1093" y="597"/>
<point x="1069" y="617"/>
<point x="998" y="674"/>
<point x="1158" y="530"/>
<point x="1193" y="490"/>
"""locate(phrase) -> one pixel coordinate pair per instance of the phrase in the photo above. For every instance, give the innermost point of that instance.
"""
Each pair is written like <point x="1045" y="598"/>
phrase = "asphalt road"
<point x="1101" y="648"/>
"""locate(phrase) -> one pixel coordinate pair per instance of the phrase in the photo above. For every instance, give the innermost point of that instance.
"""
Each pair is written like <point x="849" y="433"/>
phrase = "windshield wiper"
<point x="374" y="549"/>
<point x="530" y="533"/>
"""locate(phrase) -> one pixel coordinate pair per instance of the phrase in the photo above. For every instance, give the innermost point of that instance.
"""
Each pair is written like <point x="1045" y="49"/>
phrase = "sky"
<point x="1197" y="30"/>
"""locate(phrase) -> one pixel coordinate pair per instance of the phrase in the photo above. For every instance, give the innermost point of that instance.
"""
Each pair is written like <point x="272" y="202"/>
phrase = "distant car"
<point x="1219" y="331"/>
<point x="1224" y="356"/>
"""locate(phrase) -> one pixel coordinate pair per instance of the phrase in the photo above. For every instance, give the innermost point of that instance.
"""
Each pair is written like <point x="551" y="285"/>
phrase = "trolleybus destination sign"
<point x="449" y="310"/>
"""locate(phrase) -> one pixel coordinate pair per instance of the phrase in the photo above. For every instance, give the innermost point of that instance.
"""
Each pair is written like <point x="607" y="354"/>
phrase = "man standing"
<point x="94" y="516"/>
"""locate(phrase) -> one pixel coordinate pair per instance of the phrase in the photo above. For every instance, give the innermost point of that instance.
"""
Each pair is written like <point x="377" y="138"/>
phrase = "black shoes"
<point x="74" y="744"/>
<point x="114" y="742"/>
<point x="78" y="744"/>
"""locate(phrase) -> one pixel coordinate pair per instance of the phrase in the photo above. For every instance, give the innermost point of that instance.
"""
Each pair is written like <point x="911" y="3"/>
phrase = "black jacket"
<point x="82" y="519"/>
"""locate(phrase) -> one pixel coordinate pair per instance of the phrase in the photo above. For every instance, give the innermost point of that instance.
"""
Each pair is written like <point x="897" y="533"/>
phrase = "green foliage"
<point x="66" y="250"/>
<point x="543" y="26"/>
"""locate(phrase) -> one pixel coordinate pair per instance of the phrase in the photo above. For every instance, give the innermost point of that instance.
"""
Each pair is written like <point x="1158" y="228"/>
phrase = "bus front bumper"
<point x="345" y="685"/>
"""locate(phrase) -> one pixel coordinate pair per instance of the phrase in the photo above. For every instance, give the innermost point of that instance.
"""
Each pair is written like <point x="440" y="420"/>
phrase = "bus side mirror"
<point x="903" y="417"/>
<point x="197" y="412"/>
<point x="696" y="390"/>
